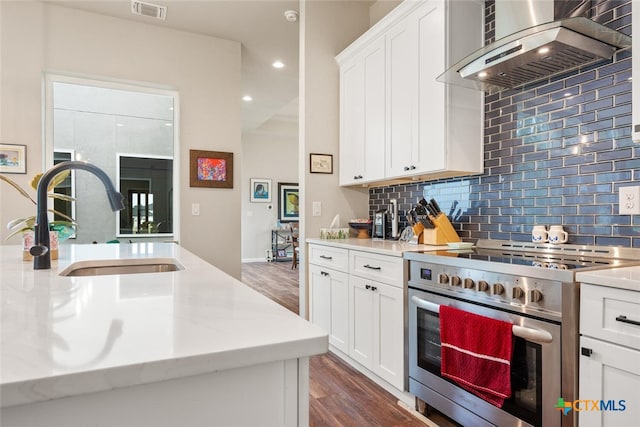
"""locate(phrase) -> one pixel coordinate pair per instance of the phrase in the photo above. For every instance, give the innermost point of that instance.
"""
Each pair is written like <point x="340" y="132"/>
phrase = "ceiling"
<point x="259" y="25"/>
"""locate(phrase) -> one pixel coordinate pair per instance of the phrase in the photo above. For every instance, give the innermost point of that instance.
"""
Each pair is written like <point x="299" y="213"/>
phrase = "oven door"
<point x="535" y="375"/>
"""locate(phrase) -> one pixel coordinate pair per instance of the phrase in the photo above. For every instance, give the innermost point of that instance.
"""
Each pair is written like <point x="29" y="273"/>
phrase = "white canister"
<point x="539" y="234"/>
<point x="557" y="235"/>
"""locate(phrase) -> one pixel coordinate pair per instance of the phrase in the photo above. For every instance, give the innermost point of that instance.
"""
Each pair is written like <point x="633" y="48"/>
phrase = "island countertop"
<point x="64" y="336"/>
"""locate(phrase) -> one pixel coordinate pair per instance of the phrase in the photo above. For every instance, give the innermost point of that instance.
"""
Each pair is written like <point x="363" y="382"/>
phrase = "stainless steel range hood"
<point x="535" y="53"/>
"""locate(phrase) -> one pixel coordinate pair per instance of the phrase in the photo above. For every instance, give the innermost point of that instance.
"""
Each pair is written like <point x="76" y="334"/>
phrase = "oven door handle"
<point x="529" y="334"/>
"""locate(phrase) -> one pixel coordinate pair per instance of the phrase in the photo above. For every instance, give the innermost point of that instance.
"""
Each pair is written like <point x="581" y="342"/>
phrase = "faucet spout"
<point x="40" y="250"/>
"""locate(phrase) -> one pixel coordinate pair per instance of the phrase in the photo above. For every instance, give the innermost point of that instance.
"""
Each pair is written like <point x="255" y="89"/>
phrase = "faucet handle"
<point x="38" y="250"/>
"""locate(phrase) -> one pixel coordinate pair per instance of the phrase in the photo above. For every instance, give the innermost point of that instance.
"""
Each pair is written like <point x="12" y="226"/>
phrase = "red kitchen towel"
<point x="476" y="353"/>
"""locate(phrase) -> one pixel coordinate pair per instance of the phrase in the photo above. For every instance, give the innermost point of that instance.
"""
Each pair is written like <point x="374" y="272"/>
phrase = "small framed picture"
<point x="321" y="163"/>
<point x="13" y="158"/>
<point x="213" y="169"/>
<point x="260" y="190"/>
<point x="288" y="202"/>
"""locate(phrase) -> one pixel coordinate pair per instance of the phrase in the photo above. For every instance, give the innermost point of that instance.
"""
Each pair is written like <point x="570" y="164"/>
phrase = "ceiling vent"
<point x="148" y="9"/>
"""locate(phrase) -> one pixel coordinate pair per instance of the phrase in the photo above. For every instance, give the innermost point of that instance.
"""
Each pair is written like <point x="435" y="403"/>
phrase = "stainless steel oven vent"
<point x="534" y="43"/>
<point x="148" y="9"/>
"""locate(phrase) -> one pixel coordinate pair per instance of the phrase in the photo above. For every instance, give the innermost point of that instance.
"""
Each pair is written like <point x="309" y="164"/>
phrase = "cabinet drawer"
<point x="383" y="268"/>
<point x="328" y="256"/>
<point x="610" y="314"/>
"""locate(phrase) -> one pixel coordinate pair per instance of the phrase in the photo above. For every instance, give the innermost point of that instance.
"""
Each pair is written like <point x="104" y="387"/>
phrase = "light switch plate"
<point x="195" y="209"/>
<point x="317" y="208"/>
<point x="629" y="200"/>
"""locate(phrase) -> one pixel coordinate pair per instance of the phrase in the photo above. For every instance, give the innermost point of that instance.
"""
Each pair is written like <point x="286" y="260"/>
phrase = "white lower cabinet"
<point x="610" y="357"/>
<point x="360" y="303"/>
<point x="329" y="303"/>
<point x="376" y="328"/>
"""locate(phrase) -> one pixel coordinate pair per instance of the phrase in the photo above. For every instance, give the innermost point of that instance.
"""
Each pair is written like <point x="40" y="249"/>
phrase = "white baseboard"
<point x="249" y="260"/>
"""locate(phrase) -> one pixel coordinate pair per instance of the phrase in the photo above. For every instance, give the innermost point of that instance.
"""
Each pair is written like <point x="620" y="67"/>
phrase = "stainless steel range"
<point x="529" y="285"/>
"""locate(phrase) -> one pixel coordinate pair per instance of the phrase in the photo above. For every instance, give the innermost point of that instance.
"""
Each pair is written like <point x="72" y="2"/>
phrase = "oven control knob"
<point x="468" y="283"/>
<point x="482" y="286"/>
<point x="498" y="289"/>
<point x="443" y="279"/>
<point x="517" y="293"/>
<point x="455" y="281"/>
<point x="535" y="295"/>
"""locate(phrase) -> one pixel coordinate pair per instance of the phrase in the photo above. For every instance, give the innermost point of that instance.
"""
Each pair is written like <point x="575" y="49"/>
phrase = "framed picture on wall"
<point x="213" y="169"/>
<point x="260" y="190"/>
<point x="288" y="202"/>
<point x="321" y="163"/>
<point x="13" y="158"/>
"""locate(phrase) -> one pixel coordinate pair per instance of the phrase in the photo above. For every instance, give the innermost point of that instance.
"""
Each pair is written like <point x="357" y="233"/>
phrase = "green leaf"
<point x="27" y="221"/>
<point x="17" y="187"/>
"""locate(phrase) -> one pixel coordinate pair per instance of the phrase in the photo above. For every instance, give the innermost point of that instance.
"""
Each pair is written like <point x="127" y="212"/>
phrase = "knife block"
<point x="433" y="236"/>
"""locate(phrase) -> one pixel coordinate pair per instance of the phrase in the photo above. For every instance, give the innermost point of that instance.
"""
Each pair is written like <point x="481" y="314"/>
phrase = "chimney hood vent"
<point x="536" y="53"/>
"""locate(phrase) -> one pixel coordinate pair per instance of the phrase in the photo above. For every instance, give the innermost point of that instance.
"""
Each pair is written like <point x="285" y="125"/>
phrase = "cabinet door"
<point x="362" y="109"/>
<point x="329" y="304"/>
<point x="611" y="375"/>
<point x="361" y="321"/>
<point x="339" y="336"/>
<point x="320" y="297"/>
<point x="428" y="151"/>
<point x="388" y="336"/>
<point x="401" y="99"/>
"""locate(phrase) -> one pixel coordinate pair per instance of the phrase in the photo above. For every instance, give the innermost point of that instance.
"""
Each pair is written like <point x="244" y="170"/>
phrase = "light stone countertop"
<point x="622" y="277"/>
<point x="379" y="246"/>
<point x="64" y="336"/>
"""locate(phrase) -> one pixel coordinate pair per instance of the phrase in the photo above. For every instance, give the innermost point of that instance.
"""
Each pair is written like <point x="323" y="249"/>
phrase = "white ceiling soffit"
<point x="261" y="27"/>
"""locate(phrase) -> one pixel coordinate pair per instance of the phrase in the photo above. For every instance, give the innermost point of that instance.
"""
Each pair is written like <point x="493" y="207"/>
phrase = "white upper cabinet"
<point x="635" y="67"/>
<point x="423" y="129"/>
<point x="362" y="99"/>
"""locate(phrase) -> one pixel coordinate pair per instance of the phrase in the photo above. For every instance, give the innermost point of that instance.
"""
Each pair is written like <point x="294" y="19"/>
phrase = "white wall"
<point x="270" y="153"/>
<point x="319" y="115"/>
<point x="36" y="37"/>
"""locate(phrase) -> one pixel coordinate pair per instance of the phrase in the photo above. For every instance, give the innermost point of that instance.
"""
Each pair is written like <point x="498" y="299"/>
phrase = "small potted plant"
<point x="59" y="230"/>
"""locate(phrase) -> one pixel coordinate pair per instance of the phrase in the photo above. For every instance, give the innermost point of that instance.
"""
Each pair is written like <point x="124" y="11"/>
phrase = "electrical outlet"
<point x="629" y="200"/>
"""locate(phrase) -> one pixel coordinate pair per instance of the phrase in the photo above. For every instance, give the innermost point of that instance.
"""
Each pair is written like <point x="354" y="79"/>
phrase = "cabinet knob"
<point x="373" y="288"/>
<point x="406" y="168"/>
<point x="586" y="351"/>
<point x="367" y="287"/>
<point x="357" y="177"/>
<point x="412" y="167"/>
<point x="324" y="273"/>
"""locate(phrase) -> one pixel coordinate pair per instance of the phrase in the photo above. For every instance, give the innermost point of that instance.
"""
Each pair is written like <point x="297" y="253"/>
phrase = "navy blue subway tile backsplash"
<point x="556" y="152"/>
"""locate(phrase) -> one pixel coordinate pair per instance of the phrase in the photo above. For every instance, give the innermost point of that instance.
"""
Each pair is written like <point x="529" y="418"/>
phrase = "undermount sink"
<point x="122" y="266"/>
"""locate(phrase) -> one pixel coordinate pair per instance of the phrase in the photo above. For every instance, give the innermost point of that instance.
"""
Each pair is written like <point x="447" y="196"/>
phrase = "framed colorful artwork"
<point x="213" y="169"/>
<point x="260" y="190"/>
<point x="13" y="158"/>
<point x="288" y="202"/>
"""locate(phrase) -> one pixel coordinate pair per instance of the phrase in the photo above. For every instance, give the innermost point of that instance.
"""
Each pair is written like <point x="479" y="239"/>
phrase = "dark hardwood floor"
<point x="339" y="394"/>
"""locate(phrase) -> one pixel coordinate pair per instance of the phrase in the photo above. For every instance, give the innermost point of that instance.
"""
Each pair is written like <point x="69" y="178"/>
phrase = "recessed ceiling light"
<point x="278" y="64"/>
<point x="482" y="74"/>
<point x="247" y="98"/>
<point x="168" y="124"/>
<point x="543" y="50"/>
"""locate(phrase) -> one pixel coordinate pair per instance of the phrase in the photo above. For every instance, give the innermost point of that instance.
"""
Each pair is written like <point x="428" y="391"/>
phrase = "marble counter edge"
<point x="383" y="247"/>
<point x="66" y="385"/>
<point x="621" y="277"/>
